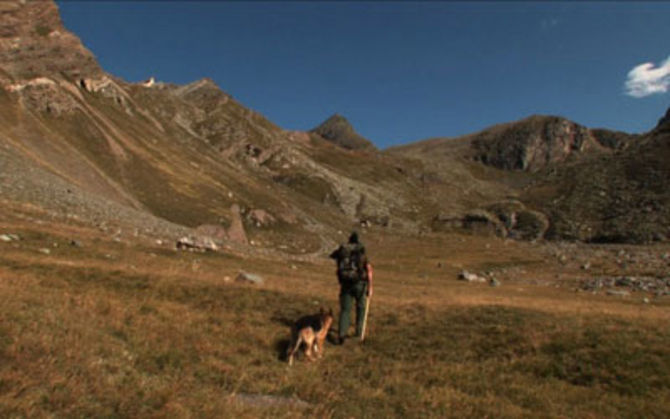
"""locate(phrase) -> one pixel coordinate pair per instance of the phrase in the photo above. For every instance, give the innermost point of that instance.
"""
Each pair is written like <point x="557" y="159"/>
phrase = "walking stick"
<point x="367" y="304"/>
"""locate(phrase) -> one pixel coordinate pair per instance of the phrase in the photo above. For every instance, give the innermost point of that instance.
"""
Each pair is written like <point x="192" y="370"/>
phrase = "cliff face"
<point x="34" y="43"/>
<point x="532" y="143"/>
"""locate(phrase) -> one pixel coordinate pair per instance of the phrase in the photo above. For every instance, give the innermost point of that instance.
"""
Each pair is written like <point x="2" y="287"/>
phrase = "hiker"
<point x="354" y="275"/>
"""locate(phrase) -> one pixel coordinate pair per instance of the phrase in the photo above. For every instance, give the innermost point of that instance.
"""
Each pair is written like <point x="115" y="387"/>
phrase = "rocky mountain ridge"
<point x="190" y="159"/>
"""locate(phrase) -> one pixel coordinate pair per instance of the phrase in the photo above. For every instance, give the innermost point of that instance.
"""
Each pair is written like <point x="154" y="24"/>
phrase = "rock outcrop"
<point x="34" y="43"/>
<point x="339" y="131"/>
<point x="531" y="144"/>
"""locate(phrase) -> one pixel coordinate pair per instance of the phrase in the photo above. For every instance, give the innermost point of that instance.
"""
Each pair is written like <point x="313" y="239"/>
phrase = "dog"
<point x="312" y="331"/>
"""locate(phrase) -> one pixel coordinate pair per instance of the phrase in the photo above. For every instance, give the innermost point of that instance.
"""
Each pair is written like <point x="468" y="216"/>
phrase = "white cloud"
<point x="647" y="79"/>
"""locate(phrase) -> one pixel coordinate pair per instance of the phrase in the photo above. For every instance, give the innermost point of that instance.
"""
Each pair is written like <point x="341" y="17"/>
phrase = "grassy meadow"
<point x="133" y="329"/>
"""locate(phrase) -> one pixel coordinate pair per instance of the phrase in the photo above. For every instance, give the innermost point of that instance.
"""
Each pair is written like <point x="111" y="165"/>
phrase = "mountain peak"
<point x="339" y="131"/>
<point x="34" y="43"/>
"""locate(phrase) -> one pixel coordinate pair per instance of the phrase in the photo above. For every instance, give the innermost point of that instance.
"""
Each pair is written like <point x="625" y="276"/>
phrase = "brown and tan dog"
<point x="312" y="331"/>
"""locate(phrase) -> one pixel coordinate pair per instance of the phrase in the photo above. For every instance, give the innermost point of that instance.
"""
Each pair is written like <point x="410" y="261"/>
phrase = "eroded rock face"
<point x="40" y="61"/>
<point x="531" y="144"/>
<point x="503" y="219"/>
<point x="34" y="43"/>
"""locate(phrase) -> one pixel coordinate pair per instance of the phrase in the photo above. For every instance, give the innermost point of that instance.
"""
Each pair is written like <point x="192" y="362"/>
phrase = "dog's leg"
<point x="294" y="348"/>
<point x="319" y="346"/>
<point x="310" y="341"/>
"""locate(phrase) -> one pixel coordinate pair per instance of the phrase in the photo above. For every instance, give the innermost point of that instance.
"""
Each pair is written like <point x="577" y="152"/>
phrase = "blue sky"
<point x="399" y="71"/>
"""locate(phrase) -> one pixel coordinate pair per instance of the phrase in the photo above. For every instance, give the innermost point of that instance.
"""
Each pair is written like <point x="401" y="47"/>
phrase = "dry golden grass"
<point x="133" y="330"/>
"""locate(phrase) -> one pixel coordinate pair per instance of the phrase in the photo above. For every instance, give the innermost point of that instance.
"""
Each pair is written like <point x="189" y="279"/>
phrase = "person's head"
<point x="353" y="238"/>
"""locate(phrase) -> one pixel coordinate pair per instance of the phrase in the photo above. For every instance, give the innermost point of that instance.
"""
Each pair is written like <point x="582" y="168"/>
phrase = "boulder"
<point x="261" y="218"/>
<point x="529" y="225"/>
<point x="470" y="277"/>
<point x="201" y="244"/>
<point x="484" y="222"/>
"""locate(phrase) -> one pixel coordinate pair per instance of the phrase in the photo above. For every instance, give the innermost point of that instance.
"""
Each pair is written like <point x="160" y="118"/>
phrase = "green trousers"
<point x="348" y="294"/>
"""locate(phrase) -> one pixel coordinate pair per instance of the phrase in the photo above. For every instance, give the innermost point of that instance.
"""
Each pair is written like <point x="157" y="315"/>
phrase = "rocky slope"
<point x="173" y="160"/>
<point x="80" y="141"/>
<point x="620" y="197"/>
<point x="567" y="181"/>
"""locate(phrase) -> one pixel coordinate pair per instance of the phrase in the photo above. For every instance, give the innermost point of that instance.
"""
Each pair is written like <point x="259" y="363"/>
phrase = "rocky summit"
<point x="338" y="130"/>
<point x="177" y="161"/>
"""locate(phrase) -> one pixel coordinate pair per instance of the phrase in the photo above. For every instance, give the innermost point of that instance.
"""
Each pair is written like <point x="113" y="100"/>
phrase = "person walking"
<point x="354" y="273"/>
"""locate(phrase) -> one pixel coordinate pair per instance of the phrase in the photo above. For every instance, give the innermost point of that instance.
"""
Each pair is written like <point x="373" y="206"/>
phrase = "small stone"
<point x="5" y="238"/>
<point x="75" y="243"/>
<point x="470" y="277"/>
<point x="645" y="300"/>
<point x="45" y="251"/>
<point x="619" y="293"/>
<point x="494" y="282"/>
<point x="586" y="266"/>
<point x="252" y="278"/>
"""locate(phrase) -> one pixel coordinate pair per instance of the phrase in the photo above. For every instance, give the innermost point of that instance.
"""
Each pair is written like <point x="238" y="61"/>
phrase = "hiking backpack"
<point x="350" y="263"/>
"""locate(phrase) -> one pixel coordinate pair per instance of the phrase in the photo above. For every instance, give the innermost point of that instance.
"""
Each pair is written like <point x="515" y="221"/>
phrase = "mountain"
<point x="339" y="131"/>
<point x="166" y="160"/>
<point x="170" y="160"/>
<point x="590" y="184"/>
